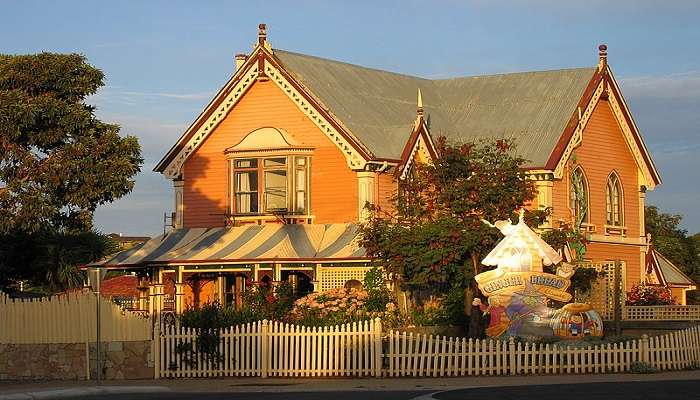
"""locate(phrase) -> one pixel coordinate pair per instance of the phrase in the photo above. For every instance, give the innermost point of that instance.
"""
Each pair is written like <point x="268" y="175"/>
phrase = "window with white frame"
<point x="613" y="201"/>
<point x="271" y="184"/>
<point x="578" y="196"/>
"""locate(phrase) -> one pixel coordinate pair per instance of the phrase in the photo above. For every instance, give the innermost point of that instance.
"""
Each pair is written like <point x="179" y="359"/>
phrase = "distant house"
<point x="127" y="242"/>
<point x="662" y="272"/>
<point x="271" y="179"/>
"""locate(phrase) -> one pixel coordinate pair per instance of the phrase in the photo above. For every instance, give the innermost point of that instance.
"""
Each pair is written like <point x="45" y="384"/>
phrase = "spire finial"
<point x="602" y="56"/>
<point x="262" y="34"/>
<point x="420" y="103"/>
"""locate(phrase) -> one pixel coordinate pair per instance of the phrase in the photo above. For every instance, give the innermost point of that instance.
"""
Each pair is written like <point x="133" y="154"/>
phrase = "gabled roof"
<point x="369" y="114"/>
<point x="379" y="107"/>
<point x="669" y="273"/>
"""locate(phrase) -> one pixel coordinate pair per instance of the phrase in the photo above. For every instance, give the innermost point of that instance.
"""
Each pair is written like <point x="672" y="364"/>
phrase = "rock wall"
<point x="67" y="361"/>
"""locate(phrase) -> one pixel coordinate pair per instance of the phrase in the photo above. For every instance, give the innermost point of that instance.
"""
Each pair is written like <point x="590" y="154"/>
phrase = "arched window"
<point x="578" y="196"/>
<point x="613" y="201"/>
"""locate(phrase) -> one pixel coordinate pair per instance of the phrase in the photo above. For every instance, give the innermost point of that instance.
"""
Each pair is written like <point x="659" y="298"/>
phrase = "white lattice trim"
<point x="631" y="142"/>
<point x="174" y="168"/>
<point x="335" y="277"/>
<point x="578" y="133"/>
<point x="352" y="156"/>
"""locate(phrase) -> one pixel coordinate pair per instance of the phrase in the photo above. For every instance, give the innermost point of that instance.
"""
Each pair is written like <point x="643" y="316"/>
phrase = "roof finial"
<point x="262" y="34"/>
<point x="419" y="109"/>
<point x="603" y="56"/>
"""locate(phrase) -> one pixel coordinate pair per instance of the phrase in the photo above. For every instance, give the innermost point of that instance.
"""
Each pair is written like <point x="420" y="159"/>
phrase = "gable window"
<point x="613" y="201"/>
<point x="262" y="185"/>
<point x="269" y="175"/>
<point x="578" y="196"/>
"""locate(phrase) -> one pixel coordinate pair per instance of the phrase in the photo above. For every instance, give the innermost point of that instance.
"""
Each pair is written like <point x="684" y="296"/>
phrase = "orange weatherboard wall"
<point x="603" y="150"/>
<point x="386" y="189"/>
<point x="334" y="187"/>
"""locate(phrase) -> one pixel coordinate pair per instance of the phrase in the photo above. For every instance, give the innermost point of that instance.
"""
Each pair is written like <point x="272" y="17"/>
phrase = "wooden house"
<point x="271" y="179"/>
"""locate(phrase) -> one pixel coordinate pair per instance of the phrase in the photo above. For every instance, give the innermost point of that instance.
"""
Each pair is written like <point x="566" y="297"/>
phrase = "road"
<point x="650" y="390"/>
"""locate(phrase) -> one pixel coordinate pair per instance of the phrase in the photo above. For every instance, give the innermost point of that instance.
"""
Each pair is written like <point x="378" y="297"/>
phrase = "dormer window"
<point x="269" y="174"/>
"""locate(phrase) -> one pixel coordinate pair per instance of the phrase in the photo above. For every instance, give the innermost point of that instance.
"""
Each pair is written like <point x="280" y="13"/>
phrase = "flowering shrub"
<point x="338" y="306"/>
<point x="643" y="295"/>
<point x="432" y="312"/>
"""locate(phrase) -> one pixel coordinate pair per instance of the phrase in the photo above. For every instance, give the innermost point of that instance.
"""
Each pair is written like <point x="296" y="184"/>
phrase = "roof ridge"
<point x="294" y="53"/>
<point x="544" y="71"/>
<point x="332" y="60"/>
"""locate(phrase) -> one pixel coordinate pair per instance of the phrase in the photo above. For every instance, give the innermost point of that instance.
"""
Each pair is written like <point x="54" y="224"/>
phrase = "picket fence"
<point x="423" y="355"/>
<point x="272" y="349"/>
<point x="276" y="349"/>
<point x="68" y="318"/>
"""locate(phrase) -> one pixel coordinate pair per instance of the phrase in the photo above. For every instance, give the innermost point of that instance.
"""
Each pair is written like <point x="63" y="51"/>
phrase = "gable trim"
<point x="260" y="63"/>
<point x="603" y="85"/>
<point x="420" y="135"/>
<point x="631" y="132"/>
<point x="576" y="136"/>
<point x="355" y="154"/>
<point x="208" y="120"/>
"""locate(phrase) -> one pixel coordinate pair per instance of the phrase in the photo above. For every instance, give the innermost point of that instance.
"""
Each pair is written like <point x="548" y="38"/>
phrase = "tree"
<point x="49" y="261"/>
<point x="58" y="163"/>
<point x="672" y="241"/>
<point x="435" y="237"/>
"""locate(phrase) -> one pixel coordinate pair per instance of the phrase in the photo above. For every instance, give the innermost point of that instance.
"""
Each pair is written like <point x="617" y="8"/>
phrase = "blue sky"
<point x="164" y="60"/>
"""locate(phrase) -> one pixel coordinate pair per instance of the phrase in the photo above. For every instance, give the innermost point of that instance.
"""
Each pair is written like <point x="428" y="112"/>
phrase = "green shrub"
<point x="639" y="367"/>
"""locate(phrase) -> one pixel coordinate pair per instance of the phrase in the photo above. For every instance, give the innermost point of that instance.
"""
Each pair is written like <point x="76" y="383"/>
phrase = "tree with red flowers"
<point x="434" y="238"/>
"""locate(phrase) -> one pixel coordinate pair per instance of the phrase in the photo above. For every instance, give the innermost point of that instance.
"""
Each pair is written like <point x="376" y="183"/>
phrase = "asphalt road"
<point x="651" y="390"/>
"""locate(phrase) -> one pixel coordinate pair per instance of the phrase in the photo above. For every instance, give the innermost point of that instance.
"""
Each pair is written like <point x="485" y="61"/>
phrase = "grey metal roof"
<point x="672" y="274"/>
<point x="379" y="107"/>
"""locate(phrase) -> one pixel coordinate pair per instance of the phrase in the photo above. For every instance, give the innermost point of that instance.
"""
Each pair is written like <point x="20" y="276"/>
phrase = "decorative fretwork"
<point x="174" y="169"/>
<point x="578" y="132"/>
<point x="352" y="156"/>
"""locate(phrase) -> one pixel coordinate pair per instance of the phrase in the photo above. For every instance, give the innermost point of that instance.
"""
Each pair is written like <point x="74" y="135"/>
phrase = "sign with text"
<point x="551" y="286"/>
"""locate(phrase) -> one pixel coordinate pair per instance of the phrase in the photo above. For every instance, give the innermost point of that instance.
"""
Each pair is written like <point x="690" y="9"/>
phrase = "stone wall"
<point x="66" y="361"/>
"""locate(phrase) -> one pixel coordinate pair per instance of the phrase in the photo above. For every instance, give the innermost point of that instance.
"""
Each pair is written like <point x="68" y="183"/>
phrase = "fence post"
<point x="156" y="346"/>
<point x="644" y="349"/>
<point x="511" y="356"/>
<point x="265" y="351"/>
<point x="617" y="297"/>
<point x="378" y="356"/>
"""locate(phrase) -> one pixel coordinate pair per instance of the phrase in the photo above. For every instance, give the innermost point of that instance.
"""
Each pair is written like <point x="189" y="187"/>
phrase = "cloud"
<point x="177" y="96"/>
<point x="685" y="85"/>
<point x="135" y="97"/>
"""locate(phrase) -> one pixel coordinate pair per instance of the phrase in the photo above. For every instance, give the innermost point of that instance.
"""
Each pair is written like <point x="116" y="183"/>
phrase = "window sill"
<point x="588" y="228"/>
<point x="615" y="230"/>
<point x="263" y="218"/>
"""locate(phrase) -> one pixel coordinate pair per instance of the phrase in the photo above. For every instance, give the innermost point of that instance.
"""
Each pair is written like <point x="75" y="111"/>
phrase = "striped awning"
<point x="253" y="243"/>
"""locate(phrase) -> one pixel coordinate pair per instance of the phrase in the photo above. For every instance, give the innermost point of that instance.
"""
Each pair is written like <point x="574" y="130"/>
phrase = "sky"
<point x="164" y="60"/>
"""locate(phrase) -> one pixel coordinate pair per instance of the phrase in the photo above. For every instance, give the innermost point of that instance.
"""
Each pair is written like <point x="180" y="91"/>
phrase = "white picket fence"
<point x="68" y="318"/>
<point x="274" y="349"/>
<point x="423" y="355"/>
